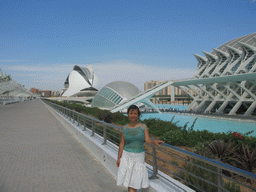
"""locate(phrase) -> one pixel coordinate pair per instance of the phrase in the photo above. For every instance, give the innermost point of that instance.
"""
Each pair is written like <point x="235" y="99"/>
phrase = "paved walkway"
<point x="38" y="154"/>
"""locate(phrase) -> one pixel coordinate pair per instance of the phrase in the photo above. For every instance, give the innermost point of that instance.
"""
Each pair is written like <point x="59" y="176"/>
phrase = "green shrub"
<point x="231" y="186"/>
<point x="205" y="174"/>
<point x="174" y="137"/>
<point x="158" y="127"/>
<point x="119" y="117"/>
<point x="166" y="130"/>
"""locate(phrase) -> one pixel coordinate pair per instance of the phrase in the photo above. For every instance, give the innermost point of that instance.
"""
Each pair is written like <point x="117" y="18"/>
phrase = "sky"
<point x="123" y="40"/>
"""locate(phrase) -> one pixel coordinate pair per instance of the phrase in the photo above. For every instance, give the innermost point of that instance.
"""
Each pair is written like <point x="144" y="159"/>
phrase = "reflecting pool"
<point x="213" y="124"/>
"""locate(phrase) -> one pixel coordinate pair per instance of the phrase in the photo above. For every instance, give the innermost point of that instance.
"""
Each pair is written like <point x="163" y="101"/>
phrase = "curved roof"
<point x="85" y="72"/>
<point x="248" y="39"/>
<point x="123" y="88"/>
<point x="114" y="93"/>
<point x="78" y="80"/>
<point x="221" y="59"/>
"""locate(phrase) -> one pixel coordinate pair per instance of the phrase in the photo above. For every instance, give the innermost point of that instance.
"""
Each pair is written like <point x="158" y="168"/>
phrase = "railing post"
<point x="220" y="181"/>
<point x="73" y="116"/>
<point x="84" y="124"/>
<point x="155" y="171"/>
<point x="78" y="117"/>
<point x="92" y="128"/>
<point x="104" y="134"/>
<point x="70" y="114"/>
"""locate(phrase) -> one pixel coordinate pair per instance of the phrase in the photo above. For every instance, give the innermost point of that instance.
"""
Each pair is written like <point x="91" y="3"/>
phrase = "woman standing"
<point x="132" y="172"/>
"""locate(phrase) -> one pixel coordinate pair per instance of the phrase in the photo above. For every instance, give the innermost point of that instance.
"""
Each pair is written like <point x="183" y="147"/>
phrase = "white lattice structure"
<point x="225" y="81"/>
<point x="11" y="89"/>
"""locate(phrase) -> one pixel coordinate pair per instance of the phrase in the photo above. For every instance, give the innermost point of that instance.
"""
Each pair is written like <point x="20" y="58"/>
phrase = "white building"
<point x="11" y="89"/>
<point x="79" y="83"/>
<point x="225" y="81"/>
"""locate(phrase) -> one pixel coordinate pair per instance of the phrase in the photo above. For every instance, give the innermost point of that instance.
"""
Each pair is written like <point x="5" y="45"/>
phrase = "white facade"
<point x="78" y="80"/>
<point x="225" y="81"/>
<point x="114" y="93"/>
<point x="11" y="89"/>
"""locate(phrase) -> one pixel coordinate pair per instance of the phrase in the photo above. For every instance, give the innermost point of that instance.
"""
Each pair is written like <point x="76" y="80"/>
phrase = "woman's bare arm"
<point x="120" y="151"/>
<point x="150" y="141"/>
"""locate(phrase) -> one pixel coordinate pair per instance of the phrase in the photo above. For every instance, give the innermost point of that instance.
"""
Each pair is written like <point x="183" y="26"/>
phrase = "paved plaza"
<point x="39" y="154"/>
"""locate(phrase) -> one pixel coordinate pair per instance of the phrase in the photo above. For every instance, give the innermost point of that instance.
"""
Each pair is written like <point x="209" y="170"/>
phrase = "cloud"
<point x="60" y="68"/>
<point x="52" y="77"/>
<point x="138" y="74"/>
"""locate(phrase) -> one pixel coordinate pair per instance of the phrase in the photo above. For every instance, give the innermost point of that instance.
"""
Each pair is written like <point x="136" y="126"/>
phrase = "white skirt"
<point x="132" y="171"/>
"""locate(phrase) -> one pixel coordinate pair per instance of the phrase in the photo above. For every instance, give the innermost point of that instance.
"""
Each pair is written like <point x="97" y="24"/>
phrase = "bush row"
<point x="167" y="131"/>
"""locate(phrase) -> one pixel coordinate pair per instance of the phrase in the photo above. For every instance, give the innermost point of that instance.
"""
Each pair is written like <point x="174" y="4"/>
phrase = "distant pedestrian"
<point x="132" y="172"/>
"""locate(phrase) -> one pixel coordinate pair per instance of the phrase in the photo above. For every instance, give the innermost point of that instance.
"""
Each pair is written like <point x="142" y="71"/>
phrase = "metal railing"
<point x="108" y="131"/>
<point x="195" y="171"/>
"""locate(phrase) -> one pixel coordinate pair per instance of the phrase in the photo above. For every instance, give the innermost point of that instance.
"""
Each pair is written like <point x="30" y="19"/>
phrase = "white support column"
<point x="212" y="104"/>
<point x="192" y="105"/>
<point x="199" y="106"/>
<point x="204" y="98"/>
<point x="147" y="102"/>
<point x="250" y="109"/>
<point x="242" y="85"/>
<point x="232" y="91"/>
<point x="209" y="94"/>
<point x="222" y="107"/>
<point x="172" y="93"/>
<point x="196" y="90"/>
<point x="235" y="108"/>
<point x="214" y="86"/>
<point x="209" y="108"/>
<point x="253" y="68"/>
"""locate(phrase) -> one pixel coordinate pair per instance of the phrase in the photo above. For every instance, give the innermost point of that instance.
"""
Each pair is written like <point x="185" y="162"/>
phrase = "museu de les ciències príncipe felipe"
<point x="225" y="80"/>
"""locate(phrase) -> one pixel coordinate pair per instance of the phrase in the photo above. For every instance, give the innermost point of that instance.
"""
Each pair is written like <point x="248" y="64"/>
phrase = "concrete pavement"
<point x="37" y="153"/>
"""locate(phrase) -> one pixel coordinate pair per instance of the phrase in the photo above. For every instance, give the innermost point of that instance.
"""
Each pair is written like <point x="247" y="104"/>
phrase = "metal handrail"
<point x="213" y="162"/>
<point x="220" y="166"/>
<point x="74" y="116"/>
<point x="106" y="136"/>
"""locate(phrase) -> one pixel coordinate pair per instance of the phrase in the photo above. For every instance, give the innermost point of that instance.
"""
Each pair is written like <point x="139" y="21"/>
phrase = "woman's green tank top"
<point x="134" y="138"/>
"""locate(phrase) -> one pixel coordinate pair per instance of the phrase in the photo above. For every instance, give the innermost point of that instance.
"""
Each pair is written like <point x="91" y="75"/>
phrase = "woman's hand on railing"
<point x="158" y="142"/>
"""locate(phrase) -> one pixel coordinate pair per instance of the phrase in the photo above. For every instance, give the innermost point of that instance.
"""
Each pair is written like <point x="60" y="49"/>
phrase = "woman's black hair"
<point x="134" y="107"/>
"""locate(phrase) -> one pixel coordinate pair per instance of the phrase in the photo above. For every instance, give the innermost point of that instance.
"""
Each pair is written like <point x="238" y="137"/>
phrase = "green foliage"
<point x="122" y="122"/>
<point x="198" y="171"/>
<point x="245" y="158"/>
<point x="158" y="127"/>
<point x="118" y="116"/>
<point x="174" y="137"/>
<point x="167" y="130"/>
<point x="174" y="163"/>
<point x="104" y="115"/>
<point x="114" y="135"/>
<point x="231" y="186"/>
<point x="107" y="117"/>
<point x="203" y="150"/>
<point x="221" y="149"/>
